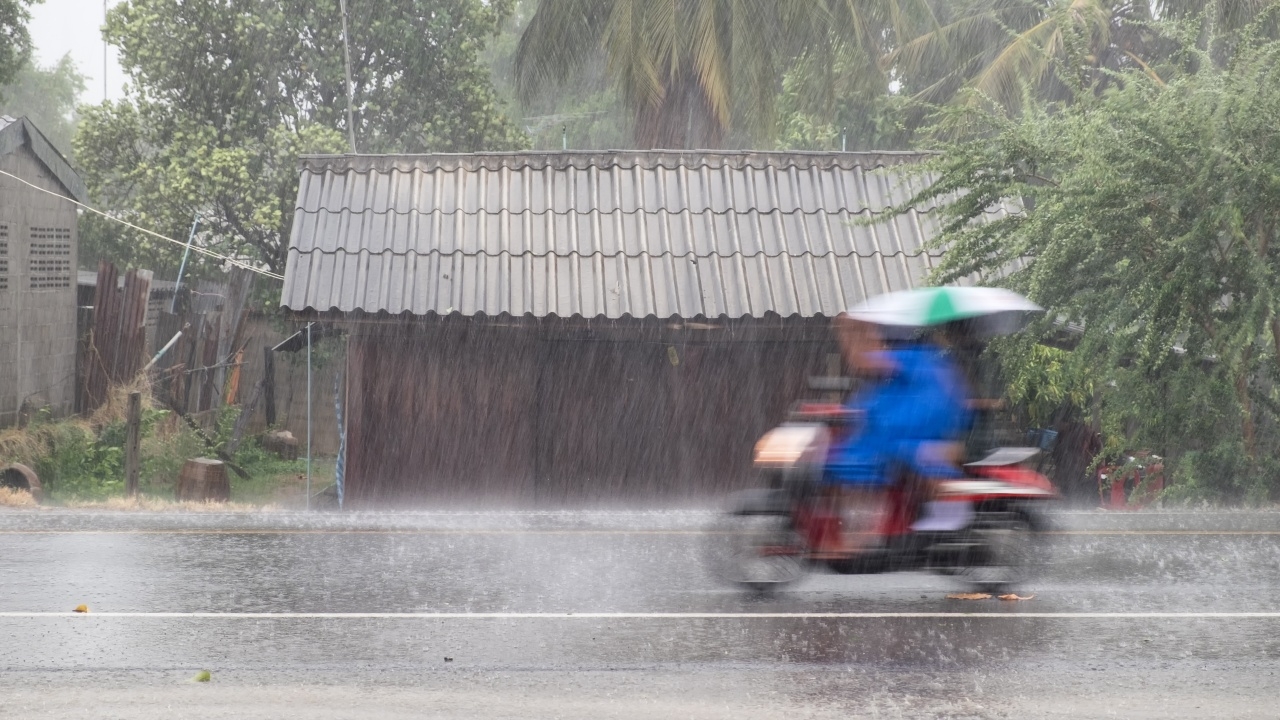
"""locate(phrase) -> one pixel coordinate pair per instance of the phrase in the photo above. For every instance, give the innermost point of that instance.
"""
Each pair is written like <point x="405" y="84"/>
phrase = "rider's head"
<point x="862" y="345"/>
<point x="959" y="335"/>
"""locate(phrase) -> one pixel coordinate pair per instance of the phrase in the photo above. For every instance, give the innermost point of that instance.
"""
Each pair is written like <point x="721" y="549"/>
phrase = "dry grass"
<point x="10" y="497"/>
<point x="17" y="445"/>
<point x="28" y="445"/>
<point x="116" y="408"/>
<point x="155" y="504"/>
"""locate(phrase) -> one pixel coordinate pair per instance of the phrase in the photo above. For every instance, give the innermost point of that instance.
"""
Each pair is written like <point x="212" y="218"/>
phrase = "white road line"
<point x="1016" y="615"/>
<point x="483" y="531"/>
<point x="350" y="531"/>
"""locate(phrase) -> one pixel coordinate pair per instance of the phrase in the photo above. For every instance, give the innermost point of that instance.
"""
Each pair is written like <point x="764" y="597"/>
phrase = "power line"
<point x="152" y="233"/>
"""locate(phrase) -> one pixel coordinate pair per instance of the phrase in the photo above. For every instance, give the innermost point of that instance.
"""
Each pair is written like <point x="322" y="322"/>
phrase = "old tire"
<point x="17" y="476"/>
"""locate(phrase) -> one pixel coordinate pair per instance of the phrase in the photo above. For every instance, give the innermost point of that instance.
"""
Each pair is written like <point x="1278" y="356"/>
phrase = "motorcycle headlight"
<point x="787" y="446"/>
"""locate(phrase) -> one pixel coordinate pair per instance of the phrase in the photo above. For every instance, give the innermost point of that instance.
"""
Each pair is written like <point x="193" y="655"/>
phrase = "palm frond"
<point x="561" y="36"/>
<point x="634" y="63"/>
<point x="660" y="35"/>
<point x="1027" y="58"/>
<point x="942" y="45"/>
<point x="709" y="58"/>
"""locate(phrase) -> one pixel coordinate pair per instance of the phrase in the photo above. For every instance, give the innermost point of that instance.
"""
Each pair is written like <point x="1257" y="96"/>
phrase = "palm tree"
<point x="694" y="71"/>
<point x="998" y="49"/>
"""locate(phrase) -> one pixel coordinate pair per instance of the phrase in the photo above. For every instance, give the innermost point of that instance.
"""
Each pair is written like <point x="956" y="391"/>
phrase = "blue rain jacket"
<point x="905" y="418"/>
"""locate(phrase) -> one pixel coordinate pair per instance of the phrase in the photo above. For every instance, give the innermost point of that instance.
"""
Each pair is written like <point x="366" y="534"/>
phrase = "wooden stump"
<point x="282" y="443"/>
<point x="203" y="479"/>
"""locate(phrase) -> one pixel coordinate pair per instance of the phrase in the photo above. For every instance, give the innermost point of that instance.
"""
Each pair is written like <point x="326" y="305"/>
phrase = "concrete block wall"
<point x="38" y="261"/>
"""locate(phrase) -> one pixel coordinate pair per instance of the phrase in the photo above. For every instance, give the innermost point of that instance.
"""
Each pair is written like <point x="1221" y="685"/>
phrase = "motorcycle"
<point x="986" y="528"/>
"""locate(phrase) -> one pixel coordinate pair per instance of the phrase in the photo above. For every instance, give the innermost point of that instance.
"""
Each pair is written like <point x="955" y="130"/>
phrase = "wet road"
<point x="600" y="615"/>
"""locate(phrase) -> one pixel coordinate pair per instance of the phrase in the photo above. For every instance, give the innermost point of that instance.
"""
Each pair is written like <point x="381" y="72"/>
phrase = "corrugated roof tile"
<point x="606" y="234"/>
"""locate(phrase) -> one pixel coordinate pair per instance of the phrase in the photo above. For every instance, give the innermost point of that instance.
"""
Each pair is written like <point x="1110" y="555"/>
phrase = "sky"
<point x="59" y="27"/>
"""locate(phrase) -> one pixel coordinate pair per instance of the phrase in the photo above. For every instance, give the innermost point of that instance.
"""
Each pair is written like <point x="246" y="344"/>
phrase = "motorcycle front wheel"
<point x="758" y="552"/>
<point x="1008" y="549"/>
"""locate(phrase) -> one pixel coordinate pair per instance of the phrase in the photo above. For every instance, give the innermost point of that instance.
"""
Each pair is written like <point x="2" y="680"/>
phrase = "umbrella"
<point x="985" y="311"/>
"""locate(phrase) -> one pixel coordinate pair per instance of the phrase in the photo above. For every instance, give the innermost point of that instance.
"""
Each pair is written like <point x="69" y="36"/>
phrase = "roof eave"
<point x="596" y="158"/>
<point x="24" y="132"/>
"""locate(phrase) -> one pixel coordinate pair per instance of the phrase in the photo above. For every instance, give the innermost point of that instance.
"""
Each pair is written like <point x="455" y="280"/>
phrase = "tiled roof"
<point x="693" y="234"/>
<point x="17" y="132"/>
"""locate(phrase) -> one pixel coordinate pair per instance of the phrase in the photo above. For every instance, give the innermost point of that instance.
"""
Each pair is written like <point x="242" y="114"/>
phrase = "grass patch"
<point x="144" y="503"/>
<point x="80" y="461"/>
<point x="273" y="481"/>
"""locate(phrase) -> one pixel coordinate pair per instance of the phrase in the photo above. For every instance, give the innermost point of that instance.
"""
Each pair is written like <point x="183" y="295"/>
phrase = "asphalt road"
<point x="611" y="615"/>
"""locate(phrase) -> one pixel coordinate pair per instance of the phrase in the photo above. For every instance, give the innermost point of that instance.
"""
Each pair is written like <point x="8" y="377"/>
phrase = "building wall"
<point x="548" y="416"/>
<point x="38" y="260"/>
<point x="291" y="385"/>
<point x="441" y="414"/>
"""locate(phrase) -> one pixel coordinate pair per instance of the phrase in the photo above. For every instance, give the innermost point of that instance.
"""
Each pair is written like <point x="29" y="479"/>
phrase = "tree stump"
<point x="282" y="443"/>
<point x="203" y="479"/>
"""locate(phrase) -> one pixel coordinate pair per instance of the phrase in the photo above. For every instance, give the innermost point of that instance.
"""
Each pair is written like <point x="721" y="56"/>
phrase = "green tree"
<point x="697" y="73"/>
<point x="845" y="103"/>
<point x="48" y="96"/>
<point x="225" y="96"/>
<point x="1150" y="220"/>
<point x="15" y="41"/>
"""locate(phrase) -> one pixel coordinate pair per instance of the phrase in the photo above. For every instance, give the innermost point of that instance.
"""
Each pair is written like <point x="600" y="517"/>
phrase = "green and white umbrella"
<point x="989" y="311"/>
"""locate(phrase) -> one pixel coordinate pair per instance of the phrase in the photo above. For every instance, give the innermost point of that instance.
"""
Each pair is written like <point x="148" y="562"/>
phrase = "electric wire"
<point x="152" y="233"/>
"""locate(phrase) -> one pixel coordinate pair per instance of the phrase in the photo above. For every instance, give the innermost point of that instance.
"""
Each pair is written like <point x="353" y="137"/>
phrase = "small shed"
<point x="587" y="327"/>
<point x="38" y="259"/>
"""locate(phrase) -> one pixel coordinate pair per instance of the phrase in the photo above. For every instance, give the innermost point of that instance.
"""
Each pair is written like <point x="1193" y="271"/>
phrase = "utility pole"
<point x="104" y="53"/>
<point x="346" y="54"/>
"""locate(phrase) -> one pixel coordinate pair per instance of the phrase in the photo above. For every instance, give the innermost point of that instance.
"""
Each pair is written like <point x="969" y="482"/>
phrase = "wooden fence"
<point x="201" y="370"/>
<point x="196" y="374"/>
<point x="221" y="355"/>
<point x="116" y="347"/>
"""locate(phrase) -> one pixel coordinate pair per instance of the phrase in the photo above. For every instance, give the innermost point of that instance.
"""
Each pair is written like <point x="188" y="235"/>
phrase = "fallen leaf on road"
<point x="969" y="596"/>
<point x="82" y="608"/>
<point x="1012" y="596"/>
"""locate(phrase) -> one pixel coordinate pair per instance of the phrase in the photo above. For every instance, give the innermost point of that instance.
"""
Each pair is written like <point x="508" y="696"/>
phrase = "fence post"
<point x="133" y="437"/>
<point x="309" y="415"/>
<point x="269" y="385"/>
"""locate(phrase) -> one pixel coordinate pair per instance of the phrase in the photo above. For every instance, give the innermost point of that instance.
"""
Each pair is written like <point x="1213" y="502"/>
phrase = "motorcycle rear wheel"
<point x="757" y="552"/>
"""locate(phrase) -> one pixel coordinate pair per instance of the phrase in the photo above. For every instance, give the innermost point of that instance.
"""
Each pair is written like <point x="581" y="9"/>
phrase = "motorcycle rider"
<point x="909" y="415"/>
